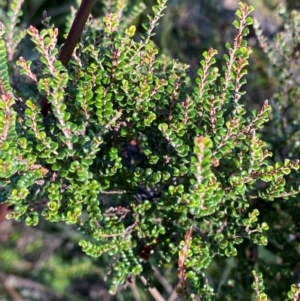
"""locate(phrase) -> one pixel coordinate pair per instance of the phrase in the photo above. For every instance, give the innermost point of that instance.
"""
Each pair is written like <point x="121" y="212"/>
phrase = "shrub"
<point x="107" y="137"/>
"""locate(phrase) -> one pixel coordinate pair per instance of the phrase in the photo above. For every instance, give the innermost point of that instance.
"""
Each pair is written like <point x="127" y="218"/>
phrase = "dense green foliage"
<point x="154" y="171"/>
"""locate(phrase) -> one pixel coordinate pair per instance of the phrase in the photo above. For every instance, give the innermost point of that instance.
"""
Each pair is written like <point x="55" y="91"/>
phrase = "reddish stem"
<point x="76" y="30"/>
<point x="83" y="13"/>
<point x="3" y="210"/>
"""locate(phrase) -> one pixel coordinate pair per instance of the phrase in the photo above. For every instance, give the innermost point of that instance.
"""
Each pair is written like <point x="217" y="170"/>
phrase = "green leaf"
<point x="131" y="31"/>
<point x="236" y="24"/>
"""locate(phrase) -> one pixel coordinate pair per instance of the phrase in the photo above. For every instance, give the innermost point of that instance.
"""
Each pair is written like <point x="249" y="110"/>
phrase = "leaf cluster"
<point x="150" y="173"/>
